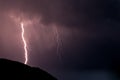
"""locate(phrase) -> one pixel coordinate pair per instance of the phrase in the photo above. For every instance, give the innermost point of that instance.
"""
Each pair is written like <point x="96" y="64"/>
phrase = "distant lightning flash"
<point x="59" y="42"/>
<point x="24" y="42"/>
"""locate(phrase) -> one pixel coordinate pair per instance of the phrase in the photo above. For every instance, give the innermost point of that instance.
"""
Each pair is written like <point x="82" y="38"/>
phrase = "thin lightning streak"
<point x="59" y="42"/>
<point x="24" y="42"/>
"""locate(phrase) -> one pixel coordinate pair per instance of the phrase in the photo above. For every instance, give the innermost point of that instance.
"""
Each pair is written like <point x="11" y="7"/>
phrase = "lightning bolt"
<point x="59" y="43"/>
<point x="24" y="42"/>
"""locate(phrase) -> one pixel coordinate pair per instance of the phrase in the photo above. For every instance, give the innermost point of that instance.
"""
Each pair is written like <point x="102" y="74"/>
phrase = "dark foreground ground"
<point x="11" y="70"/>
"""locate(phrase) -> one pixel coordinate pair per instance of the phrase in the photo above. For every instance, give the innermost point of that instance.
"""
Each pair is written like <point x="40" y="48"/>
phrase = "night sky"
<point x="88" y="32"/>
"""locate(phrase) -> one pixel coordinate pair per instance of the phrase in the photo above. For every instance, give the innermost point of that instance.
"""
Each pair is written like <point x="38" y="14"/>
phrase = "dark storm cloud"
<point x="75" y="13"/>
<point x="97" y="53"/>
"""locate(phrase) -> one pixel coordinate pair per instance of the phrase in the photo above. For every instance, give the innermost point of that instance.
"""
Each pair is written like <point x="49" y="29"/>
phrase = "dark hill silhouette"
<point x="12" y="70"/>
